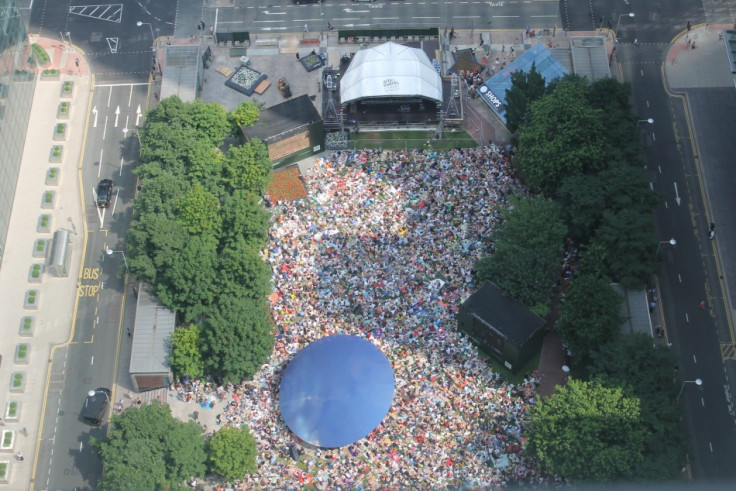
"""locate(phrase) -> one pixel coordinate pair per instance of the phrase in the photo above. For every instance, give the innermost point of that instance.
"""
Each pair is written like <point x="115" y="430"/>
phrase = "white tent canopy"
<point x="390" y="70"/>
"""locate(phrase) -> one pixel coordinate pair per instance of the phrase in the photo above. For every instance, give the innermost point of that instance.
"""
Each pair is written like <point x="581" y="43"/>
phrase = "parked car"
<point x="96" y="406"/>
<point x="104" y="193"/>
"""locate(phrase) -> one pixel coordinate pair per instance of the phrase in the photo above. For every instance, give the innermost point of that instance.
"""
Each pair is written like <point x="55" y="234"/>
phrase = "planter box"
<point x="18" y="382"/>
<point x="39" y="247"/>
<point x="60" y="131"/>
<point x="4" y="471"/>
<point x="67" y="90"/>
<point x="22" y="353"/>
<point x="41" y="55"/>
<point x="50" y="74"/>
<point x="64" y="110"/>
<point x="23" y="75"/>
<point x="44" y="223"/>
<point x="35" y="273"/>
<point x="57" y="154"/>
<point x="32" y="299"/>
<point x="7" y="439"/>
<point x="27" y="326"/>
<point x="53" y="176"/>
<point x="48" y="199"/>
<point x="12" y="411"/>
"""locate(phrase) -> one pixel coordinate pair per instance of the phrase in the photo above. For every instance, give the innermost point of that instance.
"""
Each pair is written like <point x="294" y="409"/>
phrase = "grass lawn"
<point x="398" y="140"/>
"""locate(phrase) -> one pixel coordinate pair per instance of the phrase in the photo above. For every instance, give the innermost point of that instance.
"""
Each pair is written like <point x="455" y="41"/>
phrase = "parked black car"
<point x="104" y="193"/>
<point x="96" y="406"/>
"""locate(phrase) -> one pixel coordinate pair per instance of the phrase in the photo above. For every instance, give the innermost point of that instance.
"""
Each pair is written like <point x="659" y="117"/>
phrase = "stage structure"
<point x="392" y="83"/>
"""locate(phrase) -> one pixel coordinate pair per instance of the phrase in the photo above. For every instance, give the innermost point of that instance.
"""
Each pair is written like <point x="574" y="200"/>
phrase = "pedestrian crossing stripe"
<point x="111" y="12"/>
<point x="728" y="351"/>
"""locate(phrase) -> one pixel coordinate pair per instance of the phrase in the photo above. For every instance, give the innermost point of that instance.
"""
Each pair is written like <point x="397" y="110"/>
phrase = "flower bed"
<point x="312" y="62"/>
<point x="245" y="80"/>
<point x="286" y="185"/>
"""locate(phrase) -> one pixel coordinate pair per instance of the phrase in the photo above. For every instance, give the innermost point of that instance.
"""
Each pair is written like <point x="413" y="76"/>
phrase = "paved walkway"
<point x="50" y="318"/>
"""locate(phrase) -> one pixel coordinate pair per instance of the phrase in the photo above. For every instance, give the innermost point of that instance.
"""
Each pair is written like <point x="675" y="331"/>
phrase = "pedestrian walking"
<point x="195" y="415"/>
<point x="19" y="456"/>
<point x="306" y="28"/>
<point x="129" y="333"/>
<point x="702" y="305"/>
<point x="297" y="57"/>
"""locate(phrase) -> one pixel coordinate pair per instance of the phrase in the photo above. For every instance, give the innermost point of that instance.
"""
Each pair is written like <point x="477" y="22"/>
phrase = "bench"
<point x="261" y="88"/>
<point x="224" y="70"/>
<point x="267" y="42"/>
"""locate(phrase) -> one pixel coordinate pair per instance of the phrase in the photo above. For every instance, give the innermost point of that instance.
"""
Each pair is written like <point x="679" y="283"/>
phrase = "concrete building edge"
<point x="76" y="301"/>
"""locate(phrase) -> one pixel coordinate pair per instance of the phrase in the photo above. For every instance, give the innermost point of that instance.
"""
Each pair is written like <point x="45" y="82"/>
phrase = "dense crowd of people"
<point x="383" y="247"/>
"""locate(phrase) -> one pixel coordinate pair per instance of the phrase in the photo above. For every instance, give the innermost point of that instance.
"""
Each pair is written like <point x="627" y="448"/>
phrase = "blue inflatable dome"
<point x="336" y="391"/>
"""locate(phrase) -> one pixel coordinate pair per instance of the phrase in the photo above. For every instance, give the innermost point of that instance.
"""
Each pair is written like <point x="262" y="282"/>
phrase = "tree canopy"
<point x="526" y="87"/>
<point x="232" y="453"/>
<point x="588" y="432"/>
<point x="186" y="352"/>
<point x="528" y="251"/>
<point x="591" y="315"/>
<point x="197" y="230"/>
<point x="562" y="135"/>
<point x="147" y="448"/>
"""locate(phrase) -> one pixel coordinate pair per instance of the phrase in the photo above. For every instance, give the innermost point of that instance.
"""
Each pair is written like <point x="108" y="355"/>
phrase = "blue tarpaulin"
<point x="493" y="91"/>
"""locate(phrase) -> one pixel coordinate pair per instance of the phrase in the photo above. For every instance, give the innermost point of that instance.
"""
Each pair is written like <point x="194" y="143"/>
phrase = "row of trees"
<point x="147" y="448"/>
<point x="577" y="151"/>
<point x="196" y="234"/>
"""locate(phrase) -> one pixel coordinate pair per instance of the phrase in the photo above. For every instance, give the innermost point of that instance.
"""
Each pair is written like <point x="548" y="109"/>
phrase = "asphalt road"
<point x="263" y="16"/>
<point x="690" y="271"/>
<point x="115" y="46"/>
<point x="66" y="460"/>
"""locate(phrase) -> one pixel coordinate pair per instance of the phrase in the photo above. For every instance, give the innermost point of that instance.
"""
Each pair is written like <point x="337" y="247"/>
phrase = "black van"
<point x="96" y="406"/>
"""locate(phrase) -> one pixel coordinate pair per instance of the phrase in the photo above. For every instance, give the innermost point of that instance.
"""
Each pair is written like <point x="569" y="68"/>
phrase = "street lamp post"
<point x="110" y="252"/>
<point x="697" y="382"/>
<point x="630" y="14"/>
<point x="671" y="242"/>
<point x="153" y="38"/>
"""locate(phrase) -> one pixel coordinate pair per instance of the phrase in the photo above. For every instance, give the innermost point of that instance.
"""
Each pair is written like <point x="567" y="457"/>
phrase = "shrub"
<point x="56" y="150"/>
<point x="44" y="220"/>
<point x="17" y="379"/>
<point x="60" y="128"/>
<point x="36" y="270"/>
<point x="22" y="350"/>
<point x="12" y="409"/>
<point x="48" y="196"/>
<point x="40" y="245"/>
<point x="7" y="439"/>
<point x="67" y="87"/>
<point x="52" y="172"/>
<point x="31" y="296"/>
<point x="27" y="321"/>
<point x="64" y="107"/>
<point x="41" y="55"/>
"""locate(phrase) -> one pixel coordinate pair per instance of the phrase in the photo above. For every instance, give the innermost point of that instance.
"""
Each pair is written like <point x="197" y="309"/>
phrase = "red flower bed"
<point x="286" y="185"/>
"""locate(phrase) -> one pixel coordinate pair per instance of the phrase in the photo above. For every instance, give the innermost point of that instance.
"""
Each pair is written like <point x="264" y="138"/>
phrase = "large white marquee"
<point x="390" y="70"/>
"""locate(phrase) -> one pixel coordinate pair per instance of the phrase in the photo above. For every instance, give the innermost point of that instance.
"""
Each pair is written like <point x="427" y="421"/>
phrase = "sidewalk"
<point x="52" y="313"/>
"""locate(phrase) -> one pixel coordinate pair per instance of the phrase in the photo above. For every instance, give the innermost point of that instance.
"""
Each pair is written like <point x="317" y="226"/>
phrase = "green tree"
<point x="630" y="243"/>
<point x="232" y="453"/>
<point x="243" y="273"/>
<point x="248" y="167"/>
<point x="198" y="211"/>
<point x="562" y="135"/>
<point x="186" y="351"/>
<point x="528" y="251"/>
<point x="154" y="244"/>
<point x="590" y="317"/>
<point x="587" y="432"/>
<point x="634" y="361"/>
<point x="188" y="285"/>
<point x="147" y="448"/>
<point x="620" y="126"/>
<point x="526" y="87"/>
<point x="209" y="120"/>
<point x="237" y="338"/>
<point x="246" y="114"/>
<point x="244" y="218"/>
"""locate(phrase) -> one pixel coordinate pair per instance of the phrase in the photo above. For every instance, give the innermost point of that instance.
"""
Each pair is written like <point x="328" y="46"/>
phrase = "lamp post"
<point x="630" y="14"/>
<point x="671" y="242"/>
<point x="697" y="382"/>
<point x="110" y="252"/>
<point x="153" y="38"/>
